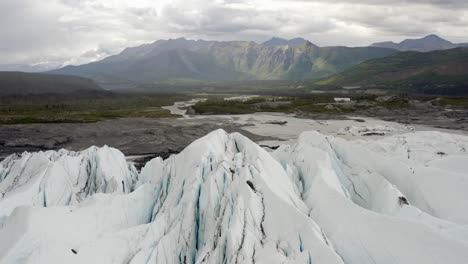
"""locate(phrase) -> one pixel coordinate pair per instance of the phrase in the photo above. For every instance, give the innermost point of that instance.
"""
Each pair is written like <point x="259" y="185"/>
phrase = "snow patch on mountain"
<point x="224" y="199"/>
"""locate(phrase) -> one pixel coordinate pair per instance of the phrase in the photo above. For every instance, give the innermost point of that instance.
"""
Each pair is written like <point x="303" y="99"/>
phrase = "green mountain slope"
<point x="430" y="71"/>
<point x="20" y="83"/>
<point x="181" y="59"/>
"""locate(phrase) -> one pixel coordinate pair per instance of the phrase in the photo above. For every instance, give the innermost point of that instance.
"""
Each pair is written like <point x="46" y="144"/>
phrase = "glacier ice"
<point x="224" y="199"/>
<point x="62" y="178"/>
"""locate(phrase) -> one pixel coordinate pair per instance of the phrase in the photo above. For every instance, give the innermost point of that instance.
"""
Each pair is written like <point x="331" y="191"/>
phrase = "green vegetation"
<point x="39" y="109"/>
<point x="66" y="110"/>
<point x="214" y="106"/>
<point x="21" y="83"/>
<point x="437" y="72"/>
<point x="316" y="104"/>
<point x="215" y="89"/>
<point x="452" y="101"/>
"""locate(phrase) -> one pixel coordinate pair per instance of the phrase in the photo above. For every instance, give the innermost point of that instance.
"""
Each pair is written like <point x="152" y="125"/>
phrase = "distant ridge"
<point x="428" y="43"/>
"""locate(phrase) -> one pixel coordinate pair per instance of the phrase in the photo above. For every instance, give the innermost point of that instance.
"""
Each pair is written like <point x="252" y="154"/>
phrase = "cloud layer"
<point x="57" y="32"/>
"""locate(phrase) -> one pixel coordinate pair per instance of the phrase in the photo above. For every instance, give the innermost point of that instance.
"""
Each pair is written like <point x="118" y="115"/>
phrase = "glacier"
<point x="224" y="199"/>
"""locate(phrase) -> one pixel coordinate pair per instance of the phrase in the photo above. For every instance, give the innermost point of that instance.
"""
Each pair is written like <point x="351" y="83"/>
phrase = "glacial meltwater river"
<point x="286" y="128"/>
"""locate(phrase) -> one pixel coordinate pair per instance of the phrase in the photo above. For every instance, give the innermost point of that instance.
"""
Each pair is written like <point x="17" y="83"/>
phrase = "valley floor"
<point x="134" y="123"/>
<point x="150" y="137"/>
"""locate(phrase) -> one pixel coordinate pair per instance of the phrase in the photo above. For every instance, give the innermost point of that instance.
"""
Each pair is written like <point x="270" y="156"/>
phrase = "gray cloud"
<point x="58" y="32"/>
<point x="440" y="3"/>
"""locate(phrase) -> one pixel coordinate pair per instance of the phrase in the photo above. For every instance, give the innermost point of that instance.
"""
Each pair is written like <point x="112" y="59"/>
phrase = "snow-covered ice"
<point x="55" y="178"/>
<point x="324" y="199"/>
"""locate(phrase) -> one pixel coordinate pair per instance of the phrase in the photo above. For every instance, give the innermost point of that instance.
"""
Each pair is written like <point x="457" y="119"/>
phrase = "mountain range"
<point x="187" y="60"/>
<point x="428" y="43"/>
<point x="184" y="61"/>
<point x="443" y="70"/>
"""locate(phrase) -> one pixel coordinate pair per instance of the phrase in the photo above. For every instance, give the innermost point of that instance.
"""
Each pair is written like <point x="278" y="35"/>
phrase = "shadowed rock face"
<point x="224" y="199"/>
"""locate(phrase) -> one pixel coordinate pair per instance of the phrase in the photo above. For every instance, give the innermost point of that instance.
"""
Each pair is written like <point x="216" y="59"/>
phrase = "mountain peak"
<point x="277" y="38"/>
<point x="308" y="44"/>
<point x="433" y="36"/>
<point x="299" y="41"/>
<point x="428" y="43"/>
<point x="276" y="41"/>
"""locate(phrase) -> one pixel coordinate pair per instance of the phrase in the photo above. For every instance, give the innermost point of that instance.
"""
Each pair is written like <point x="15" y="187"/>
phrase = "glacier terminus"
<point x="224" y="199"/>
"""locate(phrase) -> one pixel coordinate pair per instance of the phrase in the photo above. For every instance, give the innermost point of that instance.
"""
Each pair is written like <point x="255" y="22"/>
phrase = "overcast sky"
<point x="57" y="32"/>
